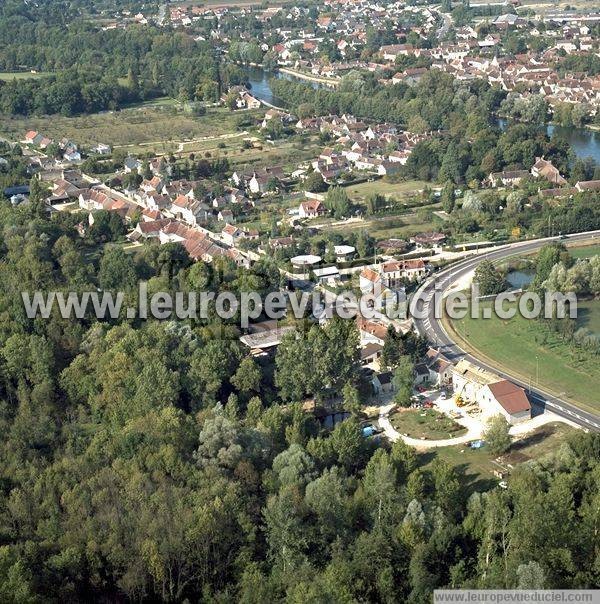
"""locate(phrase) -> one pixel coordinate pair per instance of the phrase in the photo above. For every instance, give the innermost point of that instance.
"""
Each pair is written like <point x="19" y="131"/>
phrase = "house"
<point x="440" y="368"/>
<point x="226" y="215"/>
<point x="494" y="395"/>
<point x="148" y="229"/>
<point x="588" y="185"/>
<point x="72" y="155"/>
<point x="391" y="51"/>
<point x="311" y="208"/>
<point x="231" y="234"/>
<point x="431" y="239"/>
<point x="382" y="382"/>
<point x="506" y="399"/>
<point x="31" y="136"/>
<point x="101" y="149"/>
<point x="371" y="331"/>
<point x="189" y="210"/>
<point x="131" y="164"/>
<point x="370" y="353"/>
<point x="542" y="168"/>
<point x="280" y="243"/>
<point x="509" y="178"/>
<point x="396" y="272"/>
<point x="370" y="281"/>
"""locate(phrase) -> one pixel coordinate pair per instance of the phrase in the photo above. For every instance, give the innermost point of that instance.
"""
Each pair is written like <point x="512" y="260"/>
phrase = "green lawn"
<point x="399" y="226"/>
<point x="23" y="75"/>
<point x="476" y="466"/>
<point x="382" y="187"/>
<point x="426" y="423"/>
<point x="514" y="345"/>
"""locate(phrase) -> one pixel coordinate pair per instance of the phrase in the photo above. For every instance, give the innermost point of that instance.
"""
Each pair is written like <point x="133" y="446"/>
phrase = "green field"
<point x="154" y="129"/>
<point x="23" y="75"/>
<point x="532" y="353"/>
<point x="400" y="226"/>
<point x="584" y="252"/>
<point x="476" y="466"/>
<point x="398" y="189"/>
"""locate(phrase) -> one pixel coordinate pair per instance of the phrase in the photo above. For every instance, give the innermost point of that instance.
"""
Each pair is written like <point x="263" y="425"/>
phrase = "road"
<point x="432" y="328"/>
<point x="447" y="22"/>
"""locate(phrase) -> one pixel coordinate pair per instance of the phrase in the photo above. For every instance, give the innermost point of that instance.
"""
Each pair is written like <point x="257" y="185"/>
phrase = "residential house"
<point x="231" y="234"/>
<point x="506" y="399"/>
<point x="189" y="210"/>
<point x="494" y="395"/>
<point x="588" y="185"/>
<point x="542" y="168"/>
<point x="382" y="382"/>
<point x="311" y="208"/>
<point x="425" y="240"/>
<point x="509" y="178"/>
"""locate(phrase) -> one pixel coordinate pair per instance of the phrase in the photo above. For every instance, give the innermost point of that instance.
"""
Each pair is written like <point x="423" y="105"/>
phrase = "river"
<point x="584" y="142"/>
<point x="261" y="89"/>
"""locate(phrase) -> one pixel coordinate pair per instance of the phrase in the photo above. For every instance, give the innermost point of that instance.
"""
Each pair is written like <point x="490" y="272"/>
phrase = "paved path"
<point x="473" y="425"/>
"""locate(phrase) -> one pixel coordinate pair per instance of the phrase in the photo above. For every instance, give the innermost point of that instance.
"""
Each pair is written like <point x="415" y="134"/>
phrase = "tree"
<point x="314" y="183"/>
<point x="497" y="435"/>
<point x="547" y="258"/>
<point x="294" y="467"/>
<point x="374" y="202"/>
<point x="351" y="397"/>
<point x="247" y="377"/>
<point x="337" y="202"/>
<point x="531" y="576"/>
<point x="117" y="270"/>
<point x="450" y="170"/>
<point x="448" y="197"/>
<point x="348" y="444"/>
<point x="403" y="381"/>
<point x="489" y="279"/>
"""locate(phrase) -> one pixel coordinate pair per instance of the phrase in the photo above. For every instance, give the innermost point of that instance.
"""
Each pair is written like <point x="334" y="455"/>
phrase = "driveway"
<point x="475" y="426"/>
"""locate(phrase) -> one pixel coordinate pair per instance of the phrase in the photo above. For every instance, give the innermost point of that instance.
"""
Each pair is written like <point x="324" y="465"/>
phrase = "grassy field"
<point x="398" y="189"/>
<point x="426" y="423"/>
<point x="156" y="129"/>
<point x="585" y="252"/>
<point x="23" y="75"/>
<point x="476" y="466"/>
<point x="400" y="226"/>
<point x="529" y="351"/>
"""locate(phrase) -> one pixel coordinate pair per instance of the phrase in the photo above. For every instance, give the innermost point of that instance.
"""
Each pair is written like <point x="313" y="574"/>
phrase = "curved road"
<point x="432" y="328"/>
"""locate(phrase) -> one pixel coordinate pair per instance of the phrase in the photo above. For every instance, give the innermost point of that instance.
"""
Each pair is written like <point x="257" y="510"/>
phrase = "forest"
<point x="93" y="69"/>
<point x="159" y="461"/>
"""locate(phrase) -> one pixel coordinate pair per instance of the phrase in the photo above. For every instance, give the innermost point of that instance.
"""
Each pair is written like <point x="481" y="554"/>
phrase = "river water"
<point x="584" y="142"/>
<point x="261" y="89"/>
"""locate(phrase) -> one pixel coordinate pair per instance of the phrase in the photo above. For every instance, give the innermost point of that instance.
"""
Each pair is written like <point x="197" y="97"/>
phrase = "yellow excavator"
<point x="460" y="401"/>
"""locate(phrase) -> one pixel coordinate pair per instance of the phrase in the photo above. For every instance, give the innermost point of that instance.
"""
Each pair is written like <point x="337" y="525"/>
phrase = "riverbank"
<point x="309" y="77"/>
